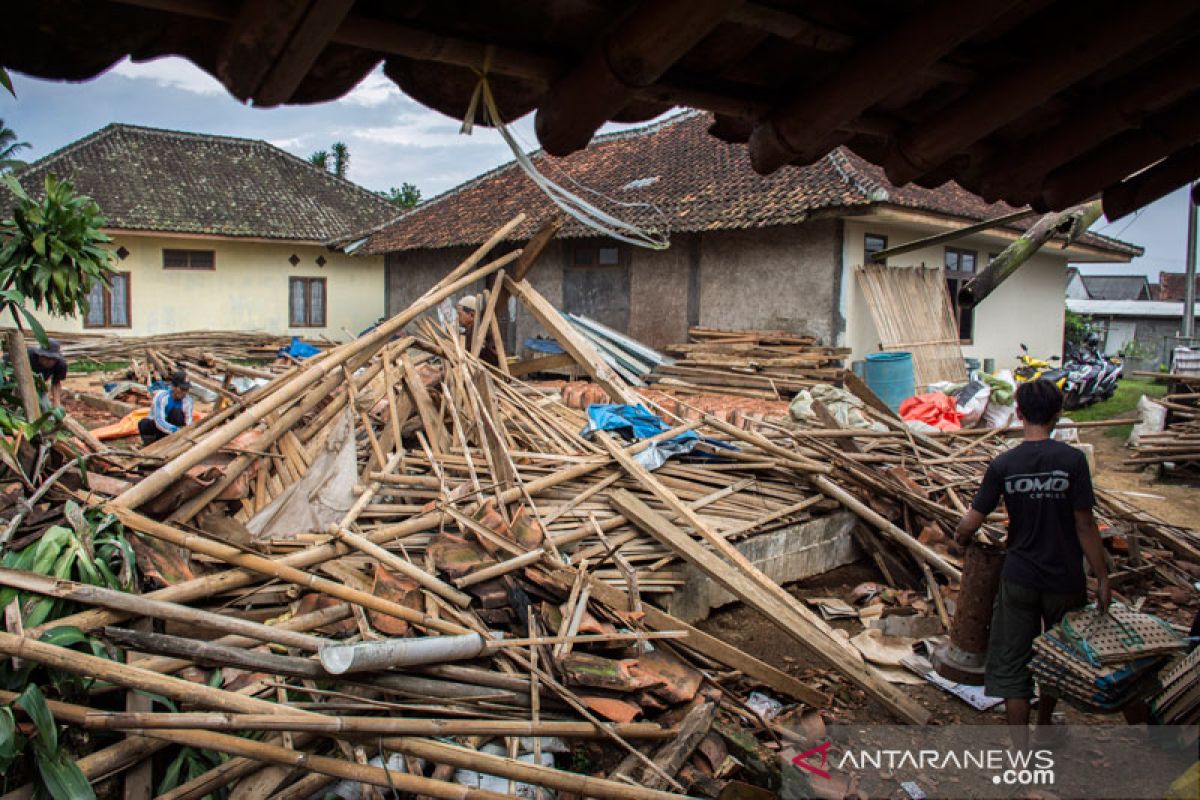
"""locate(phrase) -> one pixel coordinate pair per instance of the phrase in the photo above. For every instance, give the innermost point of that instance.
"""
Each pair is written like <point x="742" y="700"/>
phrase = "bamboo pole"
<point x="393" y="726"/>
<point x="170" y="472"/>
<point x="274" y="754"/>
<point x="275" y="569"/>
<point x="158" y="609"/>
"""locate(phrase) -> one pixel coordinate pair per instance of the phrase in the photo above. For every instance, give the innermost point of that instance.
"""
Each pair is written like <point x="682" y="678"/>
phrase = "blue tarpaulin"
<point x="635" y="423"/>
<point x="540" y="345"/>
<point x="299" y="350"/>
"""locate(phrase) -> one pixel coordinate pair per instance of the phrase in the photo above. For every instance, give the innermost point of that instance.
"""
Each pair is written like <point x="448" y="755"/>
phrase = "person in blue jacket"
<point x="170" y="410"/>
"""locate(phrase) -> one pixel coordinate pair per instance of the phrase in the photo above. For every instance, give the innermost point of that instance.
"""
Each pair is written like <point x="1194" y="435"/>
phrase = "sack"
<point x="1153" y="420"/>
<point x="971" y="401"/>
<point x="932" y="408"/>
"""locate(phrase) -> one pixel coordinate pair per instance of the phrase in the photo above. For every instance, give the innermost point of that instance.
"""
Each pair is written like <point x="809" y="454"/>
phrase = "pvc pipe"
<point x="366" y="656"/>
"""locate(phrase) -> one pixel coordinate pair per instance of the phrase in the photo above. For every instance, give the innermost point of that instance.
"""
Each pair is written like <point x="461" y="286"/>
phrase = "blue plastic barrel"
<point x="890" y="375"/>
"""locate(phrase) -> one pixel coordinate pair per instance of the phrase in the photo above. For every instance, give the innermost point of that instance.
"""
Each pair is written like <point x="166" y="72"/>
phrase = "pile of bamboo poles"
<point x="393" y="544"/>
<point x="225" y="344"/>
<point x="1178" y="444"/>
<point x="768" y="365"/>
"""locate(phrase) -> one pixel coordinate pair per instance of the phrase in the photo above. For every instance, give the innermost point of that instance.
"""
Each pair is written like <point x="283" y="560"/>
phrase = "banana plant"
<point x="93" y="550"/>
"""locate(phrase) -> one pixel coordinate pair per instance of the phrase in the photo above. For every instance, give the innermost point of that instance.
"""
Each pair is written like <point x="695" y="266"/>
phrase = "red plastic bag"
<point x="932" y="408"/>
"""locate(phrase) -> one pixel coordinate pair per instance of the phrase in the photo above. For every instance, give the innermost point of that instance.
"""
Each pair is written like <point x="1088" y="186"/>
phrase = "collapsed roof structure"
<point x="1032" y="103"/>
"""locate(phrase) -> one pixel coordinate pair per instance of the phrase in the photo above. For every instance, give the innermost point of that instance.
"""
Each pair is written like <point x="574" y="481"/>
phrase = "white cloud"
<point x="375" y="90"/>
<point x="288" y="143"/>
<point x="172" y="73"/>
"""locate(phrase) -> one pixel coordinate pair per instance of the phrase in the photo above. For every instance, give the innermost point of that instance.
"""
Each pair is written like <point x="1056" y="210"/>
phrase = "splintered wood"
<point x="393" y="544"/>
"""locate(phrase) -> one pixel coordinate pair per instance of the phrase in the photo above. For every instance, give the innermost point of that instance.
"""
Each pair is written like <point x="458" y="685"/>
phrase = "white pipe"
<point x="386" y="653"/>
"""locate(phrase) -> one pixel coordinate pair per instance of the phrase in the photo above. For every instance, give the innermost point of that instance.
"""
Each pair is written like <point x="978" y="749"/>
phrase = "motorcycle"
<point x="1086" y="377"/>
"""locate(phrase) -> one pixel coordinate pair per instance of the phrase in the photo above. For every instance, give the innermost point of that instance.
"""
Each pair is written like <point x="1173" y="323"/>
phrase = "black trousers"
<point x="151" y="433"/>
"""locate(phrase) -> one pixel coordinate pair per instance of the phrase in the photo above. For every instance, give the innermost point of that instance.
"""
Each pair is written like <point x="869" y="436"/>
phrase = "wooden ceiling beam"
<point x="271" y="46"/>
<point x="390" y="38"/>
<point x="799" y="128"/>
<point x="1097" y="40"/>
<point x="1017" y="171"/>
<point x="1160" y="180"/>
<point x="1160" y="136"/>
<point x="650" y="39"/>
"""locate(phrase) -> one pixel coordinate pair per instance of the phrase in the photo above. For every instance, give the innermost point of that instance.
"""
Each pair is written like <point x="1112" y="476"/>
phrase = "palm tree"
<point x="320" y="159"/>
<point x="8" y="148"/>
<point x="341" y="158"/>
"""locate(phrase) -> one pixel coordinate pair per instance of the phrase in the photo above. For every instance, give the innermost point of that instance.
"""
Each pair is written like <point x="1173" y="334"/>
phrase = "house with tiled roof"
<point x="747" y="250"/>
<point x="219" y="233"/>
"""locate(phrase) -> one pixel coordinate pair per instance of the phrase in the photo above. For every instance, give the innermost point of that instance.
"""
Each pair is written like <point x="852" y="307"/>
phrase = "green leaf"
<point x="6" y="81"/>
<point x="35" y="326"/>
<point x="62" y="778"/>
<point x="34" y="704"/>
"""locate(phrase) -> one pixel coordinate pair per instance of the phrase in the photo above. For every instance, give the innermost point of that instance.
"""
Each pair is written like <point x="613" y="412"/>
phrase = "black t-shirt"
<point x="55" y="372"/>
<point x="1043" y="484"/>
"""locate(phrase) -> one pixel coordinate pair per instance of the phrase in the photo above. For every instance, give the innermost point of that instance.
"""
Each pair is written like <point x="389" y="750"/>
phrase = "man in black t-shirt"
<point x="1047" y="491"/>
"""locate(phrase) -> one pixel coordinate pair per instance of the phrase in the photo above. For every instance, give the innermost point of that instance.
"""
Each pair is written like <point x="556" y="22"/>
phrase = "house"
<point x="1113" y="287"/>
<point x="1171" y="286"/>
<point x="1145" y="332"/>
<point x="219" y="233"/>
<point x="747" y="251"/>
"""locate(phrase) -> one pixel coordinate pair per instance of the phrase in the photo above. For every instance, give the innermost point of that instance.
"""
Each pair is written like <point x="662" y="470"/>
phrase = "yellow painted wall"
<point x="1028" y="307"/>
<point x="248" y="290"/>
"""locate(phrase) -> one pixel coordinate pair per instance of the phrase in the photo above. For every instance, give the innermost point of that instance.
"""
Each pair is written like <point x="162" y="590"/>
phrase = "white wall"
<point x="248" y="290"/>
<point x="1028" y="307"/>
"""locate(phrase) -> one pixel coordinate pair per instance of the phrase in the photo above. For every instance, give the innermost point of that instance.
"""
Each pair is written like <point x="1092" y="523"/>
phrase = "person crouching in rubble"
<point x="1047" y="491"/>
<point x="468" y="312"/>
<point x="170" y="410"/>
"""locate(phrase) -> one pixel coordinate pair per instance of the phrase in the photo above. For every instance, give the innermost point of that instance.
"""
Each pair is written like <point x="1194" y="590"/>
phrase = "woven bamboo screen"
<point x="912" y="313"/>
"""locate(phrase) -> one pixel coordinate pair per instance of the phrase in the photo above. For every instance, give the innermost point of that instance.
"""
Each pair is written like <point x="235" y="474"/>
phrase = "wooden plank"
<point x="857" y="387"/>
<point x="742" y="579"/>
<point x="573" y="342"/>
<point x="698" y="640"/>
<point x="540" y="364"/>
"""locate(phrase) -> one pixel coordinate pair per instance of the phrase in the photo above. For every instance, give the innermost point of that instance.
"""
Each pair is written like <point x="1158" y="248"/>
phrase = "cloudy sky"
<point x="392" y="139"/>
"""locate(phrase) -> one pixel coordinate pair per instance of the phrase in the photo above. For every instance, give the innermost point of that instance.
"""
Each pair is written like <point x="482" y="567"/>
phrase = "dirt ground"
<point x="1172" y="498"/>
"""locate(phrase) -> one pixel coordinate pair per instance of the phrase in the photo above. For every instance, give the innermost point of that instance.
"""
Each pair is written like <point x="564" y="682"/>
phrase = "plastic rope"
<point x="570" y="203"/>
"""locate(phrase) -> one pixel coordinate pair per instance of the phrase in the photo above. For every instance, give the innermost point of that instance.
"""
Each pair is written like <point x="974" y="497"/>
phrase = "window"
<point x="873" y="243"/>
<point x="108" y="306"/>
<point x="189" y="259"/>
<point x="306" y="302"/>
<point x="601" y="256"/>
<point x="960" y="268"/>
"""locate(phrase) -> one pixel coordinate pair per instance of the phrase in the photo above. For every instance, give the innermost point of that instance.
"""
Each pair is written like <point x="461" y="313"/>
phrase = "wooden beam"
<point x="1073" y="221"/>
<point x="1099" y="39"/>
<point x="698" y="640"/>
<point x="1017" y="170"/>
<point x="271" y="46"/>
<point x="1144" y="188"/>
<point x="882" y="256"/>
<point x="1159" y="136"/>
<point x="573" y="342"/>
<point x="800" y="128"/>
<point x="745" y="582"/>
<point x="651" y="38"/>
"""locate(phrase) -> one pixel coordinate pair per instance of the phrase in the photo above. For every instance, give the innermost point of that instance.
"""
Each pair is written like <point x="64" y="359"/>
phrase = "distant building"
<point x="747" y="251"/>
<point x="1116" y="287"/>
<point x="1171" y="286"/>
<point x="219" y="233"/>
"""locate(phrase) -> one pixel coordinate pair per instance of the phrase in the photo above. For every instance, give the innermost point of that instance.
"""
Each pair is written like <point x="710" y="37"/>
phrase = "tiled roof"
<point x="149" y="179"/>
<point x="1171" y="286"/>
<point x="1117" y="287"/>
<point x="692" y="181"/>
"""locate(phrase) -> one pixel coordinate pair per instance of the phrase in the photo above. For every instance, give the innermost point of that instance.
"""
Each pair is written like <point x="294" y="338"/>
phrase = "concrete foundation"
<point x="784" y="555"/>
